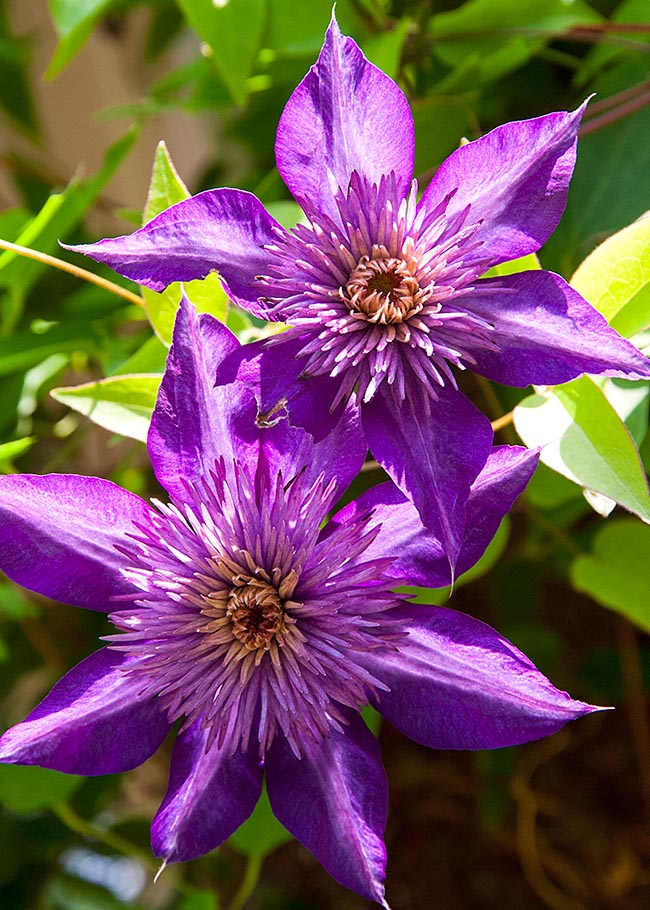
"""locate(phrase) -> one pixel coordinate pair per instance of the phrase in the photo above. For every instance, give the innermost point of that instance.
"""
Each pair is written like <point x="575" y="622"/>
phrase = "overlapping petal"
<point x="334" y="801"/>
<point x="345" y="116"/>
<point x="455" y="683"/>
<point x="210" y="794"/>
<point x="419" y="557"/>
<point x="58" y="534"/>
<point x="219" y="230"/>
<point x="433" y="458"/>
<point x="92" y="722"/>
<point x="514" y="182"/>
<point x="545" y="333"/>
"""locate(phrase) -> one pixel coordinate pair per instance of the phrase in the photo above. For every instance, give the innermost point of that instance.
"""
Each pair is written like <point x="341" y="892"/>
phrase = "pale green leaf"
<point x="617" y="573"/>
<point x="523" y="264"/>
<point x="584" y="439"/>
<point x="121" y="404"/>
<point x="617" y="271"/>
<point x="14" y="449"/>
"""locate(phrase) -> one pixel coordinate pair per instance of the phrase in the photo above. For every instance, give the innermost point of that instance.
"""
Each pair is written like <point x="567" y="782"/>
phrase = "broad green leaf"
<point x="439" y="123"/>
<point x="74" y="20"/>
<point x="121" y="404"/>
<point x="26" y="788"/>
<point x="14" y="603"/>
<point x="584" y="439"/>
<point x="617" y="572"/>
<point x="165" y="189"/>
<point x="441" y="595"/>
<point x="549" y="490"/>
<point x="617" y="271"/>
<point x="150" y="358"/>
<point x="232" y="29"/>
<point x="603" y="53"/>
<point x="261" y="833"/>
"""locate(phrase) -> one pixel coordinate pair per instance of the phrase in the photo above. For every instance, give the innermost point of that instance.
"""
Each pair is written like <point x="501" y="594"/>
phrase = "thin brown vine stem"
<point x="637" y="706"/>
<point x="615" y="114"/>
<point x="604" y="104"/>
<point x="75" y="270"/>
<point x="502" y="422"/>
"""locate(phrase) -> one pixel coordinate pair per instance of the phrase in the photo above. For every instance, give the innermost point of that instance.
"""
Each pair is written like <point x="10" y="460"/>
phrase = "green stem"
<point x="249" y="882"/>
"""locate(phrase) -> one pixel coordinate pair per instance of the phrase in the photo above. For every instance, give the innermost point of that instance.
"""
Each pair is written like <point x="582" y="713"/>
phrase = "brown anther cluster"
<point x="383" y="289"/>
<point x="256" y="612"/>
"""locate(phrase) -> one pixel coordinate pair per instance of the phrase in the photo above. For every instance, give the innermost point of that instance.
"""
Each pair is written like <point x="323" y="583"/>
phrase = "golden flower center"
<point x="383" y="290"/>
<point x="256" y="612"/>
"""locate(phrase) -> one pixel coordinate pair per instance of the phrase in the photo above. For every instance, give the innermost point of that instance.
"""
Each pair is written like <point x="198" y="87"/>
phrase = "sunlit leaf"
<point x="121" y="404"/>
<point x="584" y="439"/>
<point x="617" y="573"/>
<point x="617" y="271"/>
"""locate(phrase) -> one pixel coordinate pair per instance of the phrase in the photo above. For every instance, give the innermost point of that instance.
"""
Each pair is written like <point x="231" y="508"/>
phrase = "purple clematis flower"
<point x="263" y="631"/>
<point x="383" y="294"/>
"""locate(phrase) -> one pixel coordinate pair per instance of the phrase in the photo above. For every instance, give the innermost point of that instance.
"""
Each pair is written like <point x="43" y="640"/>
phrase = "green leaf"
<point x="14" y="449"/>
<point x="165" y="189"/>
<point x="385" y="48"/>
<point x="150" y="358"/>
<point x="261" y="833"/>
<point x="617" y="573"/>
<point x="523" y="264"/>
<point x="584" y="439"/>
<point x="74" y="20"/>
<point x="232" y="29"/>
<point x="14" y="604"/>
<point x="617" y="271"/>
<point x="27" y="788"/>
<point x="121" y="404"/>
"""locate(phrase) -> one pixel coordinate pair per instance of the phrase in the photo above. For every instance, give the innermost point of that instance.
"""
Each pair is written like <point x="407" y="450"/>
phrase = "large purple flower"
<point x="264" y="631"/>
<point x="384" y="294"/>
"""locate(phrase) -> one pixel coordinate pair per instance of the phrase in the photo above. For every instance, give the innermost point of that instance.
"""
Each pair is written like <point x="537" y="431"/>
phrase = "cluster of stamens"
<point x="383" y="289"/>
<point x="379" y="296"/>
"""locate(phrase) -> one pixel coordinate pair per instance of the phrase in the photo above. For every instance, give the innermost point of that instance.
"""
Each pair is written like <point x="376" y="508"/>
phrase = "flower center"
<point x="256" y="612"/>
<point x="383" y="289"/>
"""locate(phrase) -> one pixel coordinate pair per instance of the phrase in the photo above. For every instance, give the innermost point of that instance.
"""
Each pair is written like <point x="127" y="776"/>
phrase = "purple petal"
<point x="210" y="794"/>
<point x="419" y="555"/>
<point x="346" y="115"/>
<point x="287" y="403"/>
<point x="515" y="181"/>
<point x="219" y="230"/>
<point x="92" y="722"/>
<point x="58" y="534"/>
<point x="546" y="333"/>
<point x="194" y="424"/>
<point x="455" y="683"/>
<point x="334" y="801"/>
<point x="433" y="459"/>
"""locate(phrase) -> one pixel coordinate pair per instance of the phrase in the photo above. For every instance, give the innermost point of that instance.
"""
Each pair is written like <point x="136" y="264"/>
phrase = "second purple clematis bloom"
<point x="383" y="294"/>
<point x="238" y="612"/>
